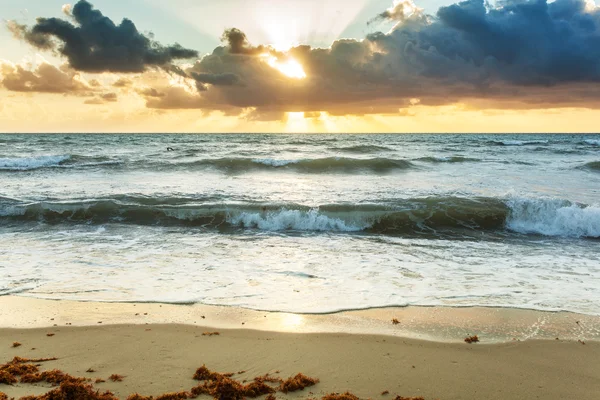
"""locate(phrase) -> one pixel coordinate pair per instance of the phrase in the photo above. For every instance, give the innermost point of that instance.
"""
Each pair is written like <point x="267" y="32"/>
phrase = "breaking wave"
<point x="592" y="142"/>
<point x="31" y="163"/>
<point x="594" y="166"/>
<point x="434" y="215"/>
<point x="519" y="142"/>
<point x="53" y="161"/>
<point x="442" y="159"/>
<point x="318" y="165"/>
<point x="361" y="149"/>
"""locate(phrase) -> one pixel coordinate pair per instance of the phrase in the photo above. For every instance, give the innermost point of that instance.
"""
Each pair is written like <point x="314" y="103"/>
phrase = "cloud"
<point x="67" y="9"/>
<point x="97" y="44"/>
<point x="521" y="54"/>
<point x="544" y="54"/>
<point x="46" y="78"/>
<point x="402" y="11"/>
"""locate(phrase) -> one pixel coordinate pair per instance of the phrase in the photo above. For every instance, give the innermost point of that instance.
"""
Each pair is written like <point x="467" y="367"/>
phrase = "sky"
<point x="299" y="66"/>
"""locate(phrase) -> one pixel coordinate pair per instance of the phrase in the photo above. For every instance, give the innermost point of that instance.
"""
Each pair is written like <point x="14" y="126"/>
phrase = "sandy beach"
<point x="157" y="357"/>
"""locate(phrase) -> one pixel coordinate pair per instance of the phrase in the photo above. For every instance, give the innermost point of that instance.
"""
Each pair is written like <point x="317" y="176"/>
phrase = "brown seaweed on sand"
<point x="99" y="380"/>
<point x="116" y="378"/>
<point x="50" y="334"/>
<point x="54" y="377"/>
<point x="385" y="392"/>
<point x="395" y="321"/>
<point x="298" y="382"/>
<point x="74" y="390"/>
<point x="3" y="396"/>
<point x="168" y="396"/>
<point x="472" y="339"/>
<point x="211" y="334"/>
<point x="221" y="386"/>
<point x="16" y="344"/>
<point x="337" y="396"/>
<point x="409" y="398"/>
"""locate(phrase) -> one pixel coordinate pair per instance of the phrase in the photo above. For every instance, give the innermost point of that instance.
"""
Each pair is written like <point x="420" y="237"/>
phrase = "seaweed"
<point x="168" y="396"/>
<point x="257" y="388"/>
<point x="395" y="321"/>
<point x="337" y="396"/>
<point x="409" y="398"/>
<point x="74" y="390"/>
<point x="205" y="374"/>
<point x="54" y="377"/>
<point x="50" y="334"/>
<point x="385" y="392"/>
<point x="211" y="334"/>
<point x="269" y="397"/>
<point x="90" y="370"/>
<point x="7" y="378"/>
<point x="116" y="378"/>
<point x="3" y="396"/>
<point x="16" y="344"/>
<point x="99" y="380"/>
<point x="472" y="339"/>
<point x="298" y="382"/>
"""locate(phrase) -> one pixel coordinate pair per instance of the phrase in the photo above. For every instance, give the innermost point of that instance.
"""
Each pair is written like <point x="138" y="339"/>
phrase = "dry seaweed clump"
<point x="3" y="396"/>
<point x="472" y="339"/>
<point x="409" y="398"/>
<point x="116" y="378"/>
<point x="298" y="382"/>
<point x="337" y="396"/>
<point x="16" y="344"/>
<point x="395" y="321"/>
<point x="211" y="334"/>
<point x="221" y="386"/>
<point x="74" y="390"/>
<point x="168" y="396"/>
<point x="54" y="377"/>
<point x="14" y="368"/>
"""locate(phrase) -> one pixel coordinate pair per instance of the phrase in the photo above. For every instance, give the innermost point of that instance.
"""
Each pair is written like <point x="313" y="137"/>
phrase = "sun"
<point x="290" y="67"/>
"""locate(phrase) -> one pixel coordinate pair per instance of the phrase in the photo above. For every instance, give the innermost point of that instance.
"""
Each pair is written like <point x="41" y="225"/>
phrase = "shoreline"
<point x="363" y="352"/>
<point x="156" y="359"/>
<point x="437" y="324"/>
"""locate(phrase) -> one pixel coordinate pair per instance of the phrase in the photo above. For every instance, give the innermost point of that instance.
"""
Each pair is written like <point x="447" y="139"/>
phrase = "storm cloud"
<point x="96" y="44"/>
<point x="518" y="54"/>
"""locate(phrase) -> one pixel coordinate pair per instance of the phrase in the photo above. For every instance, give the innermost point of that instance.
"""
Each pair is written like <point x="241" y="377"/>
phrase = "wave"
<point x="553" y="217"/>
<point x="52" y="161"/>
<point x="318" y="165"/>
<point x="594" y="166"/>
<point x="592" y="142"/>
<point x="442" y="159"/>
<point x="433" y="215"/>
<point x="361" y="149"/>
<point x="519" y="142"/>
<point x="31" y="163"/>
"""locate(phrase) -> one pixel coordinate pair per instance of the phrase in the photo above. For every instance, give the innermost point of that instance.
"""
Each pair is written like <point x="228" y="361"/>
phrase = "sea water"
<point x="303" y="223"/>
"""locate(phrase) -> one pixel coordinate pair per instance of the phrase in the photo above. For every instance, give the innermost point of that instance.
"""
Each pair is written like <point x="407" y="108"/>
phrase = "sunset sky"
<point x="299" y="66"/>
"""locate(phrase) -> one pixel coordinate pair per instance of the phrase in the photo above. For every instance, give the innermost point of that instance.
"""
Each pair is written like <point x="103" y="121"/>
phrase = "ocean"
<point x="303" y="223"/>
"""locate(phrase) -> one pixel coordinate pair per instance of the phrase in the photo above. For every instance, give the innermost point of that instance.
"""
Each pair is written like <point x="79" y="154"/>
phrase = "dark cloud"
<point x="97" y="44"/>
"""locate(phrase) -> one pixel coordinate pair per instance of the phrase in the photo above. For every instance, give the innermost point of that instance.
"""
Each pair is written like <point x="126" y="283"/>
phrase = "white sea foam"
<point x="273" y="162"/>
<point x="522" y="142"/>
<point x="293" y="220"/>
<point x="593" y="142"/>
<point x="553" y="217"/>
<point x="29" y="163"/>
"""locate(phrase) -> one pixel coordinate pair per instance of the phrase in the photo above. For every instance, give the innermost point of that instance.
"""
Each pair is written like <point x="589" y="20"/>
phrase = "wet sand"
<point x="159" y="352"/>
